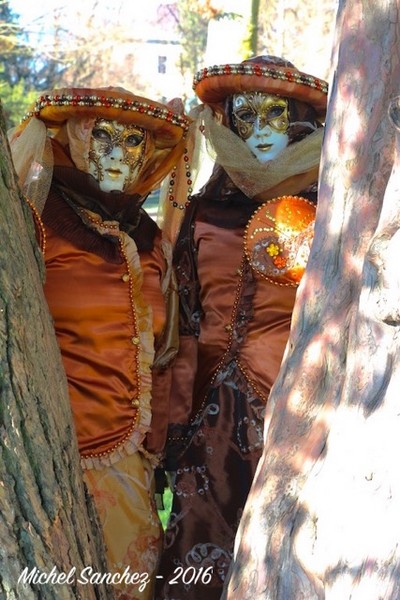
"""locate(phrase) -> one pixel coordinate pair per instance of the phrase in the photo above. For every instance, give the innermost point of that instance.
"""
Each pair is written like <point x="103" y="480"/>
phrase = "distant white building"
<point x="160" y="73"/>
<point x="158" y="54"/>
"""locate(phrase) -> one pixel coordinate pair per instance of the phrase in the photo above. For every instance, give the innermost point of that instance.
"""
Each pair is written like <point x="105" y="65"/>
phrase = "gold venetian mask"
<point x="256" y="109"/>
<point x="116" y="154"/>
<point x="262" y="121"/>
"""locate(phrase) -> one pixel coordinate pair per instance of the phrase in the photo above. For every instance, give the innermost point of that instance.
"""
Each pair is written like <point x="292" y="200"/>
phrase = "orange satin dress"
<point x="221" y="378"/>
<point x="109" y="312"/>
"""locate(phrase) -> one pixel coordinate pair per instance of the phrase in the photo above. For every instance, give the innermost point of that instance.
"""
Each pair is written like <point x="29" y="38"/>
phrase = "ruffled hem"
<point x="134" y="443"/>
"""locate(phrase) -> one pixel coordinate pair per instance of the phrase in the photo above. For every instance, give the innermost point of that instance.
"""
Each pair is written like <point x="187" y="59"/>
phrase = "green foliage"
<point x="164" y="514"/>
<point x="250" y="43"/>
<point x="15" y="101"/>
<point x="193" y="28"/>
<point x="22" y="70"/>
<point x="192" y="21"/>
<point x="15" y="67"/>
<point x="15" y="55"/>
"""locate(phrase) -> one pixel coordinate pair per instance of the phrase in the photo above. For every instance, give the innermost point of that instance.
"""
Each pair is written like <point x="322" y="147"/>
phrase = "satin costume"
<point x="234" y="325"/>
<point x="234" y="316"/>
<point x="104" y="282"/>
<point x="86" y="159"/>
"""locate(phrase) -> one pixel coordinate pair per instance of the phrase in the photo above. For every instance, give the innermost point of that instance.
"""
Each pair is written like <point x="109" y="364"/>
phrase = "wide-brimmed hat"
<point x="56" y="107"/>
<point x="43" y="131"/>
<point x="268" y="74"/>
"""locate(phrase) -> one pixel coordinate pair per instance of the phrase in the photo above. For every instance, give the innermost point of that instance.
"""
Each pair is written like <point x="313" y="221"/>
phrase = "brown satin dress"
<point x="222" y="378"/>
<point x="107" y="328"/>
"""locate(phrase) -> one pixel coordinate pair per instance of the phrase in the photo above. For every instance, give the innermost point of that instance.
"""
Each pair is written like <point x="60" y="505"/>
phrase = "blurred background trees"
<point x="16" y="56"/>
<point x="154" y="51"/>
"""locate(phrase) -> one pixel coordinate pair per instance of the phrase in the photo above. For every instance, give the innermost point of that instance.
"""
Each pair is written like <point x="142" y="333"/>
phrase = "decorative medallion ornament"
<point x="278" y="238"/>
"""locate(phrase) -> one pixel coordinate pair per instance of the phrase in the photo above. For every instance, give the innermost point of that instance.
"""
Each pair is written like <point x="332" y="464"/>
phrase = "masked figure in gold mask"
<point x="86" y="160"/>
<point x="262" y="121"/>
<point x="239" y="256"/>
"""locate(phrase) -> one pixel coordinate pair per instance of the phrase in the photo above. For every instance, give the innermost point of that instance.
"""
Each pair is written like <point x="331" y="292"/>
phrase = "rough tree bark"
<point x="46" y="522"/>
<point x="322" y="520"/>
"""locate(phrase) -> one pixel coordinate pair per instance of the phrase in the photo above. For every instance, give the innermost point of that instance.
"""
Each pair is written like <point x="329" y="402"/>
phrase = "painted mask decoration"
<point x="262" y="121"/>
<point x="116" y="154"/>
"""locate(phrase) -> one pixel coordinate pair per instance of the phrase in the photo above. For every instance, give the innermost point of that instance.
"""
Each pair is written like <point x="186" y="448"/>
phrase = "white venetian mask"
<point x="262" y="121"/>
<point x="116" y="154"/>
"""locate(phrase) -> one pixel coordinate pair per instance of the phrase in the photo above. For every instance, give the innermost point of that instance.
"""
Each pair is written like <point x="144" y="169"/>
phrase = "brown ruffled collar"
<point x="81" y="190"/>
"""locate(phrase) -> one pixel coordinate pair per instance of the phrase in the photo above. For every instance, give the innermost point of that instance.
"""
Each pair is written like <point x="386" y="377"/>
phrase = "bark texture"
<point x="322" y="519"/>
<point x="45" y="521"/>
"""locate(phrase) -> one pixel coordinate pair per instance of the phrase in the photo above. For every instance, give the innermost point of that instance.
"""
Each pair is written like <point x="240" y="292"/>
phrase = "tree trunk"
<point x="250" y="44"/>
<point x="322" y="520"/>
<point x="46" y="527"/>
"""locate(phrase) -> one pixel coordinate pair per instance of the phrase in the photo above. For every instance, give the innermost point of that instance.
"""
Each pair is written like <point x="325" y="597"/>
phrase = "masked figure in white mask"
<point x="86" y="160"/>
<point x="239" y="256"/>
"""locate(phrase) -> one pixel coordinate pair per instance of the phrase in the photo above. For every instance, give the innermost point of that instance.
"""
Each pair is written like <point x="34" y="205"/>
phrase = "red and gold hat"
<point x="168" y="129"/>
<point x="268" y="74"/>
<point x="55" y="108"/>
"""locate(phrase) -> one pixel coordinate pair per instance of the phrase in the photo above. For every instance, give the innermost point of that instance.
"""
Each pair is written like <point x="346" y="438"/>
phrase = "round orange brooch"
<point x="278" y="238"/>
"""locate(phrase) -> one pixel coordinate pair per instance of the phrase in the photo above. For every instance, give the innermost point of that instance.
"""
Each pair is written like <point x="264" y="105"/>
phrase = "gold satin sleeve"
<point x="182" y="380"/>
<point x="165" y="315"/>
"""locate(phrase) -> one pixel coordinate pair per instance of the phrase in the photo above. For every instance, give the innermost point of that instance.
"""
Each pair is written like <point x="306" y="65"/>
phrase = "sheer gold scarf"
<point x="295" y="168"/>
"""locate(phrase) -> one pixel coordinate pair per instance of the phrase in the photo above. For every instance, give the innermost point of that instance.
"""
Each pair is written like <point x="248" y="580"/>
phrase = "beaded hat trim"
<point x="106" y="102"/>
<point x="56" y="107"/>
<point x="260" y="71"/>
<point x="214" y="84"/>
